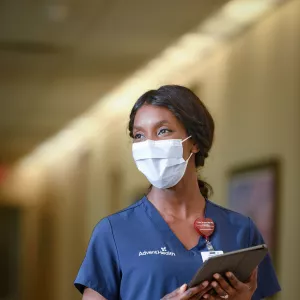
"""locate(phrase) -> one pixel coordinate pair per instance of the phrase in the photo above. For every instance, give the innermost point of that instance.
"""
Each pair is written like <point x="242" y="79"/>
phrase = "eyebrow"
<point x="159" y="123"/>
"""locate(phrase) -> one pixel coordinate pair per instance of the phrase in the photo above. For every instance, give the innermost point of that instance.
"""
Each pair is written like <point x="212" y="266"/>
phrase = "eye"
<point x="137" y="136"/>
<point x="164" y="131"/>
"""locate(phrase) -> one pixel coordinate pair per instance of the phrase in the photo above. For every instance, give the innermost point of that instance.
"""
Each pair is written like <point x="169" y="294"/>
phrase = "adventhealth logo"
<point x="163" y="251"/>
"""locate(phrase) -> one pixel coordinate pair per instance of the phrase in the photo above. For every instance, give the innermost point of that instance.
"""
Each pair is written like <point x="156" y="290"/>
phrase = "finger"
<point x="236" y="284"/>
<point x="182" y="289"/>
<point x="209" y="297"/>
<point x="219" y="290"/>
<point x="253" y="276"/>
<point x="224" y="284"/>
<point x="202" y="293"/>
<point x="178" y="291"/>
<point x="195" y="290"/>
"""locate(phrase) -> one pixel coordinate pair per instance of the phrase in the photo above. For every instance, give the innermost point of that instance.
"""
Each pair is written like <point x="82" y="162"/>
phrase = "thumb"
<point x="254" y="273"/>
<point x="252" y="283"/>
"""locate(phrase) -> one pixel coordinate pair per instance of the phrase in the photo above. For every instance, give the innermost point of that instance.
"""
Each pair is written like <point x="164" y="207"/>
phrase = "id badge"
<point x="208" y="254"/>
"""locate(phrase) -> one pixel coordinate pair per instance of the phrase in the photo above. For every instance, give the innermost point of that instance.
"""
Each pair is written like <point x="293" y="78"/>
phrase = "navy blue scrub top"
<point x="134" y="254"/>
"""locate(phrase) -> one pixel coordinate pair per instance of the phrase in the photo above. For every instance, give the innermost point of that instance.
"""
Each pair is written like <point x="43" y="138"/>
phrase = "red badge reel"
<point x="205" y="227"/>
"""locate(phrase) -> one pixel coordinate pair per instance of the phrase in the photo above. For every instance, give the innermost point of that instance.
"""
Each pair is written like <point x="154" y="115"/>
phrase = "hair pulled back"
<point x="191" y="112"/>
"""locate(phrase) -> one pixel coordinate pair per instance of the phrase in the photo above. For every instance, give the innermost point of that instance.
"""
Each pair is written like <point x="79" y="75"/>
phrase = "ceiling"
<point x="58" y="57"/>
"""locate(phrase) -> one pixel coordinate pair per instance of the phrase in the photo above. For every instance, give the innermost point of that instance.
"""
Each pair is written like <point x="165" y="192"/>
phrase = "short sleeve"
<point x="267" y="282"/>
<point x="100" y="269"/>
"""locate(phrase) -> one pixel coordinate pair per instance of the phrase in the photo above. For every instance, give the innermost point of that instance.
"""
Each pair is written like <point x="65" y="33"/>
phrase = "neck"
<point x="182" y="201"/>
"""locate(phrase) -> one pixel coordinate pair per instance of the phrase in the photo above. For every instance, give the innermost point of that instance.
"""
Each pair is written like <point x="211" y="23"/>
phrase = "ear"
<point x="195" y="148"/>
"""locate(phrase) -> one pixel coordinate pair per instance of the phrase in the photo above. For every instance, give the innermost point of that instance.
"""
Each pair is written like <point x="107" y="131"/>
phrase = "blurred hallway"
<point x="69" y="79"/>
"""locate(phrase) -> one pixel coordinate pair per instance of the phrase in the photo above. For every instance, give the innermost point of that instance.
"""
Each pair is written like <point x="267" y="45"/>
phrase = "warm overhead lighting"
<point x="234" y="16"/>
<point x="165" y="68"/>
<point x="221" y="26"/>
<point x="60" y="146"/>
<point x="244" y="11"/>
<point x="170" y="66"/>
<point x="189" y="49"/>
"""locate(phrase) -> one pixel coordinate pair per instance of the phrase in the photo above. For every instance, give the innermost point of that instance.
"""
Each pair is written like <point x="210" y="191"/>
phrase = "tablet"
<point x="241" y="263"/>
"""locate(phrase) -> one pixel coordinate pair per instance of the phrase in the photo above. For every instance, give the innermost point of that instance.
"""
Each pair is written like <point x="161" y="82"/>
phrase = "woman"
<point x="151" y="249"/>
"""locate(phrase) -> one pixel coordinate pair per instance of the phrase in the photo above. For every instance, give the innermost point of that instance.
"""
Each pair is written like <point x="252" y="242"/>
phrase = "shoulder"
<point x="128" y="213"/>
<point x="237" y="222"/>
<point x="120" y="218"/>
<point x="229" y="214"/>
<point x="229" y="219"/>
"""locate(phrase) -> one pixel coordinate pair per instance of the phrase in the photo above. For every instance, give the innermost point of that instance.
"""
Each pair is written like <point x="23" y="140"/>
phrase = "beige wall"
<point x="253" y="89"/>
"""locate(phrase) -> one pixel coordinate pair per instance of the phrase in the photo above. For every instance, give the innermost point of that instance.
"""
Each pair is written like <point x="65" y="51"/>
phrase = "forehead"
<point x="150" y="114"/>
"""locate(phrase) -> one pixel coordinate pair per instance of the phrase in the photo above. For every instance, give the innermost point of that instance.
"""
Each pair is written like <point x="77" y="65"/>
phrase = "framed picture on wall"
<point x="253" y="191"/>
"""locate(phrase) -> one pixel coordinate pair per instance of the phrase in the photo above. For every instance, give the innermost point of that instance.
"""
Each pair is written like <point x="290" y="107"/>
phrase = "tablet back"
<point x="241" y="263"/>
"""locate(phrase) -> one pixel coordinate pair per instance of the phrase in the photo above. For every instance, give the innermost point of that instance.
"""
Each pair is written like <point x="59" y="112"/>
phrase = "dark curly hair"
<point x="191" y="112"/>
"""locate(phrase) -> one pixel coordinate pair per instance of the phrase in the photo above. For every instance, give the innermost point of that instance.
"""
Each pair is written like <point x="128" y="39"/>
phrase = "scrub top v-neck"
<point x="134" y="254"/>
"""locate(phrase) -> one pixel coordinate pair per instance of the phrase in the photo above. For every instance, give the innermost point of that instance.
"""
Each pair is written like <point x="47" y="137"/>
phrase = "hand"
<point x="236" y="290"/>
<point x="183" y="293"/>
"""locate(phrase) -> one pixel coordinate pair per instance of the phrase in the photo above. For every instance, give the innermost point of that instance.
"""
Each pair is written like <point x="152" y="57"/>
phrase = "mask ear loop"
<point x="186" y="139"/>
<point x="189" y="157"/>
<point x="191" y="152"/>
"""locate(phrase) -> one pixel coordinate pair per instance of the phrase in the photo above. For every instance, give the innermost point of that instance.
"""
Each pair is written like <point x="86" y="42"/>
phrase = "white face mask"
<point x="161" y="161"/>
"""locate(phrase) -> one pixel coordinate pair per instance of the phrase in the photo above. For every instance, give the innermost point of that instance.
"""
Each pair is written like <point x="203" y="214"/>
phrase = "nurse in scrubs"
<point x="151" y="249"/>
